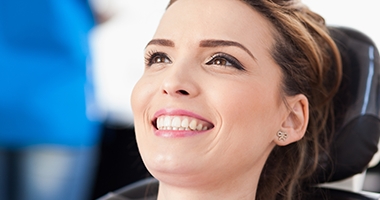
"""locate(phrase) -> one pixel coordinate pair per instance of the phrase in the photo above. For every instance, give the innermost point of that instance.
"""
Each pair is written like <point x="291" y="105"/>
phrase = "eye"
<point x="156" y="58"/>
<point x="222" y="59"/>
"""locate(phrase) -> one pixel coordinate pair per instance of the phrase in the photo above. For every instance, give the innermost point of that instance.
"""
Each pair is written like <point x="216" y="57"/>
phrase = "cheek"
<point x="140" y="101"/>
<point x="141" y="97"/>
<point x="249" y="123"/>
<point x="249" y="102"/>
<point x="141" y="94"/>
<point x="249" y="111"/>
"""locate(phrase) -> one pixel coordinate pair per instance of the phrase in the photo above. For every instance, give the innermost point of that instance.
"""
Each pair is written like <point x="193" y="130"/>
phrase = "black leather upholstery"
<point x="357" y="107"/>
<point x="145" y="189"/>
<point x="335" y="194"/>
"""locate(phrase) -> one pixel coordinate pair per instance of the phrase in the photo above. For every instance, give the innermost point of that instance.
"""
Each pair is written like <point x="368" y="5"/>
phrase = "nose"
<point x="180" y="81"/>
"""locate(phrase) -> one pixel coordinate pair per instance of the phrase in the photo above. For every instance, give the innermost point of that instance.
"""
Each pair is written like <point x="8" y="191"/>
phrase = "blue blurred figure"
<point x="48" y="145"/>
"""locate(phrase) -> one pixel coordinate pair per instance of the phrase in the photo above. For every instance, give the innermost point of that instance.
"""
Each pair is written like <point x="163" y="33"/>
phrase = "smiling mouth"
<point x="181" y="123"/>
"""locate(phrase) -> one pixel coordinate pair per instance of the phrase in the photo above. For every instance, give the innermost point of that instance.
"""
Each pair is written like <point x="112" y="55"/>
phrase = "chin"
<point x="171" y="168"/>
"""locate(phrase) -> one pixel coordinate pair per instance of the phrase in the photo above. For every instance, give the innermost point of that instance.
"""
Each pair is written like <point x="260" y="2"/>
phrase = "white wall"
<point x="363" y="15"/>
<point x="118" y="44"/>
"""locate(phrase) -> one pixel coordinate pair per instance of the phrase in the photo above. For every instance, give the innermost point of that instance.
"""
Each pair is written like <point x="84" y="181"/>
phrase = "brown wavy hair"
<point x="311" y="65"/>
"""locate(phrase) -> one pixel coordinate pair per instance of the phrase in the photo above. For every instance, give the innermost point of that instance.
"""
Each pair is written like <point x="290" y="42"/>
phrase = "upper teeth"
<point x="180" y="123"/>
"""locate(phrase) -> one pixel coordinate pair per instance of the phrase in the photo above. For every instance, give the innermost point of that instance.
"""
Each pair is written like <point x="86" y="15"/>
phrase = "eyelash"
<point x="152" y="55"/>
<point x="233" y="62"/>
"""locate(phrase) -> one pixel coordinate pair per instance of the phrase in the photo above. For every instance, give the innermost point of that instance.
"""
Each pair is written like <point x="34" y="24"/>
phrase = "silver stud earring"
<point x="282" y="135"/>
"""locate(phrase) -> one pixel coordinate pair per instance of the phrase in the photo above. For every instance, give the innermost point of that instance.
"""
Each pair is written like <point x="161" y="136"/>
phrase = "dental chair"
<point x="357" y="119"/>
<point x="355" y="144"/>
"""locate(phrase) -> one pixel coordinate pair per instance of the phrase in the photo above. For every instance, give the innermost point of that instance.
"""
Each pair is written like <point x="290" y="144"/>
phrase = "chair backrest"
<point x="145" y="189"/>
<point x="357" y="108"/>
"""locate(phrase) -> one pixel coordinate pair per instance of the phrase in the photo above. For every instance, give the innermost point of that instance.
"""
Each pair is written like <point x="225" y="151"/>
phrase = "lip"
<point x="177" y="133"/>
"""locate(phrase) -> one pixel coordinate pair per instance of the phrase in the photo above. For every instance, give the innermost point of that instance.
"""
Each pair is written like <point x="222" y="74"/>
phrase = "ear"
<point x="295" y="123"/>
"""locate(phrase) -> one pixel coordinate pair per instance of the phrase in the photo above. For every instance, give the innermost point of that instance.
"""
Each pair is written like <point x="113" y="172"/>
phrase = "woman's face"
<point x="208" y="105"/>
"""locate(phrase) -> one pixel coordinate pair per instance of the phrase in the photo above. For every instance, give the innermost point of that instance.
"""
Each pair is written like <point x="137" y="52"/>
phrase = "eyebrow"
<point x="161" y="42"/>
<point x="203" y="43"/>
<point x="218" y="43"/>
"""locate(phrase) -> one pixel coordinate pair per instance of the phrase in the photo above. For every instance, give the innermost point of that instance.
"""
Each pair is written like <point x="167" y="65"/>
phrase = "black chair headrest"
<point x="357" y="108"/>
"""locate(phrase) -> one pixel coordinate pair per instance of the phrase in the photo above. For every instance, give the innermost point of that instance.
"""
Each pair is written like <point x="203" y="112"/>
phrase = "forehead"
<point x="215" y="19"/>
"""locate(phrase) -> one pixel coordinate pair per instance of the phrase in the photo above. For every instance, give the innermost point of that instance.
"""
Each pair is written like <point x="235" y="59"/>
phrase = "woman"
<point x="234" y="99"/>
